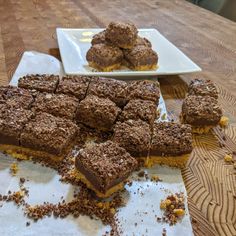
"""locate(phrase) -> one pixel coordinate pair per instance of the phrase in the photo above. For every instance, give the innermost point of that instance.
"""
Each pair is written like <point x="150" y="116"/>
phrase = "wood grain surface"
<point x="206" y="38"/>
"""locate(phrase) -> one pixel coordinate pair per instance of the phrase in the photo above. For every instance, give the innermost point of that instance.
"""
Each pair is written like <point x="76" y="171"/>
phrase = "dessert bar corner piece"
<point x="16" y="97"/>
<point x="104" y="57"/>
<point x="60" y="105"/>
<point x="12" y="122"/>
<point x="202" y="88"/>
<point x="141" y="58"/>
<point x="74" y="85"/>
<point x="49" y="134"/>
<point x="144" y="89"/>
<point x="122" y="35"/>
<point x="42" y="83"/>
<point x="134" y="136"/>
<point x="103" y="167"/>
<point x="138" y="109"/>
<point x="171" y="139"/>
<point x="200" y="111"/>
<point x="115" y="90"/>
<point x="98" y="113"/>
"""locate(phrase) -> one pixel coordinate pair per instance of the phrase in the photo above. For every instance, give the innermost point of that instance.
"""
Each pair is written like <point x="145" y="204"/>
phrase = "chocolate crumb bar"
<point x="74" y="85"/>
<point x="134" y="136"/>
<point x="201" y="111"/>
<point x="12" y="122"/>
<point x="141" y="58"/>
<point x="142" y="41"/>
<point x="104" y="57"/>
<point x="100" y="38"/>
<point x="104" y="166"/>
<point x="115" y="90"/>
<point x="42" y="83"/>
<point x="202" y="87"/>
<point x="171" y="139"/>
<point x="138" y="109"/>
<point x="49" y="134"/>
<point x="121" y="34"/>
<point x="16" y="97"/>
<point x="144" y="89"/>
<point x="99" y="113"/>
<point x="60" y="105"/>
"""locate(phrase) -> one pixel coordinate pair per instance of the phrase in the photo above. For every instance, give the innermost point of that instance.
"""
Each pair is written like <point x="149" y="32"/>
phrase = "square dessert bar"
<point x="60" y="105"/>
<point x="48" y="134"/>
<point x="201" y="111"/>
<point x="134" y="136"/>
<point x="98" y="113"/>
<point x="171" y="144"/>
<point x="138" y="109"/>
<point x="202" y="88"/>
<point x="115" y="90"/>
<point x="74" y="85"/>
<point x="103" y="167"/>
<point x="141" y="57"/>
<point x="12" y="122"/>
<point x="16" y="97"/>
<point x="42" y="83"/>
<point x="145" y="90"/>
<point x="171" y="139"/>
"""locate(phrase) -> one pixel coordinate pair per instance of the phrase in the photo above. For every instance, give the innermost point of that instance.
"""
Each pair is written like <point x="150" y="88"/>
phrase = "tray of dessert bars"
<point x="121" y="50"/>
<point x="94" y="156"/>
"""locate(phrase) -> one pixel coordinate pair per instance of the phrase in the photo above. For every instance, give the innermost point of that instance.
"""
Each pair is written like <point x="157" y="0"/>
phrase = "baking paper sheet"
<point x="142" y="197"/>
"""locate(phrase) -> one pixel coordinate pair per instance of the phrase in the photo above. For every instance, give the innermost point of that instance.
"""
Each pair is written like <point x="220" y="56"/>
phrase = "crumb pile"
<point x="174" y="208"/>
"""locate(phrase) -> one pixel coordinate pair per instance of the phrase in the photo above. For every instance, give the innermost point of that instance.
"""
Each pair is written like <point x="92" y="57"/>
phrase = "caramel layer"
<point x="23" y="153"/>
<point x="108" y="193"/>
<point x="172" y="161"/>
<point x="105" y="69"/>
<point x="146" y="67"/>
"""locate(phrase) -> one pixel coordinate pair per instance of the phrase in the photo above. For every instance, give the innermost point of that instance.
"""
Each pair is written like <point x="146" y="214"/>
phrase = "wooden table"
<point x="208" y="39"/>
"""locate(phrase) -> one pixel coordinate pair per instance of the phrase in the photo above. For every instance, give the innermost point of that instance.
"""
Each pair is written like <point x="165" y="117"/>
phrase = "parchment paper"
<point x="142" y="206"/>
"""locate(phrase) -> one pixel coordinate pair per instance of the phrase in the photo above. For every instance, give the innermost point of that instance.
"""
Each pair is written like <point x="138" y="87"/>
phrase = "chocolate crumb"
<point x="22" y="180"/>
<point x="141" y="174"/>
<point x="164" y="232"/>
<point x="174" y="208"/>
<point x="27" y="223"/>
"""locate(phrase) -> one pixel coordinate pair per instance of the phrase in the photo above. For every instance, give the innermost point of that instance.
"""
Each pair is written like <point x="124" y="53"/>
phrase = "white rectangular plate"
<point x="74" y="44"/>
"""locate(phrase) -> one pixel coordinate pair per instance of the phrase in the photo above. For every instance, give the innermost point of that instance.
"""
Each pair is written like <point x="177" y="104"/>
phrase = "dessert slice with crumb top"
<point x="134" y="136"/>
<point x="48" y="137"/>
<point x="104" y="167"/>
<point x="202" y="112"/>
<point x="171" y="144"/>
<point x="42" y="83"/>
<point x="202" y="87"/>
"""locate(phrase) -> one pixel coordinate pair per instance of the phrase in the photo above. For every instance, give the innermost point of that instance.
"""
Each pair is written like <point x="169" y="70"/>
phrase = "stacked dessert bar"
<point x="119" y="45"/>
<point x="46" y="117"/>
<point x="200" y="108"/>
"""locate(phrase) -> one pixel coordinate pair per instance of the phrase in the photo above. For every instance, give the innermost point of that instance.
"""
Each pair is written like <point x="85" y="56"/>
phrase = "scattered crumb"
<point x="14" y="168"/>
<point x="27" y="223"/>
<point x="228" y="158"/>
<point x="141" y="174"/>
<point x="17" y="197"/>
<point x="164" y="232"/>
<point x="22" y="180"/>
<point x="224" y="121"/>
<point x="173" y="207"/>
<point x="155" y="178"/>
